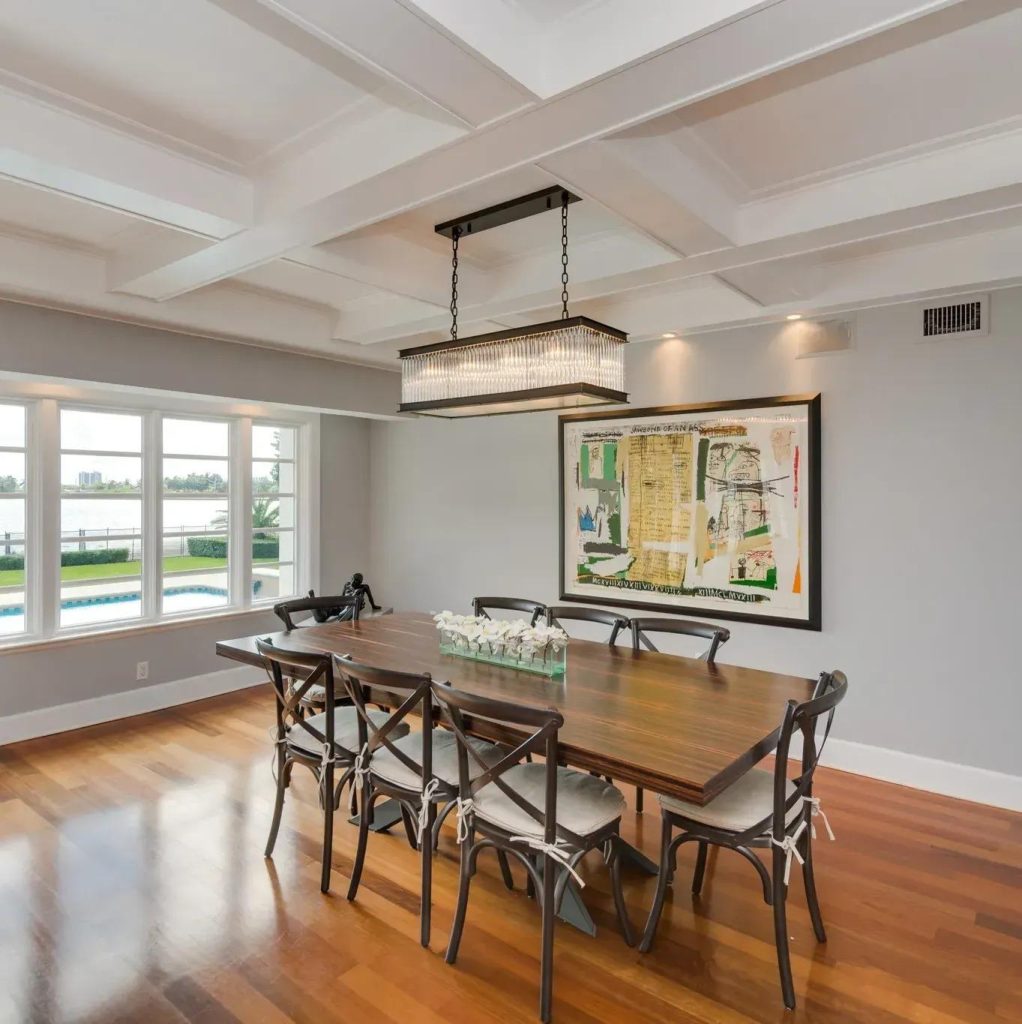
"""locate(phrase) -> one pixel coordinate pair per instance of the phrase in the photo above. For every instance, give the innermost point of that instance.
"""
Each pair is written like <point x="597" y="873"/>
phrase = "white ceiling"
<point x="271" y="170"/>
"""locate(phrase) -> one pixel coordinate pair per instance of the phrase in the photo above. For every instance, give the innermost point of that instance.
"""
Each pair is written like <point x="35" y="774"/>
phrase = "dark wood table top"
<point x="673" y="725"/>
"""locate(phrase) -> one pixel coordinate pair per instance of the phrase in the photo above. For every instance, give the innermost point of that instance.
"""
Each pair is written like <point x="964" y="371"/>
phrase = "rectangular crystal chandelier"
<point x="562" y="364"/>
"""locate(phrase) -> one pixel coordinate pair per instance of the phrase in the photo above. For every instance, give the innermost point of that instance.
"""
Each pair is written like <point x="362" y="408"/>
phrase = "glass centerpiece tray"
<point x="513" y="644"/>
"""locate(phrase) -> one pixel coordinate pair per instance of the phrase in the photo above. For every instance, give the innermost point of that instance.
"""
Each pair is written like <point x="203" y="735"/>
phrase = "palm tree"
<point x="265" y="515"/>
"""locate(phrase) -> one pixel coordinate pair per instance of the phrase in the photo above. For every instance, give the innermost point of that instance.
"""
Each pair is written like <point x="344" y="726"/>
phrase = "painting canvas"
<point x="709" y="510"/>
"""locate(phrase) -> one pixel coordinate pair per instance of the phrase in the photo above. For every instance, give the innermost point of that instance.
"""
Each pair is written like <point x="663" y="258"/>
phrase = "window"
<point x="100" y="517"/>
<point x="12" y="519"/>
<point x="196" y="515"/>
<point x="273" y="511"/>
<point x="131" y="516"/>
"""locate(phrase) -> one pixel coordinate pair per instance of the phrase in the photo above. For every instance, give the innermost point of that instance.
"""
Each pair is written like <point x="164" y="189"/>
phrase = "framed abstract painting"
<point x="704" y="510"/>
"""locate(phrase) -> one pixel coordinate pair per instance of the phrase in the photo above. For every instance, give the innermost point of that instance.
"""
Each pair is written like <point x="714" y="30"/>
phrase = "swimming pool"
<point x="78" y="611"/>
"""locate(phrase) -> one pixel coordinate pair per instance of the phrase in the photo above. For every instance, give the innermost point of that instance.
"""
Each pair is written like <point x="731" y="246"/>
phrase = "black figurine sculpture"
<point x="355" y="588"/>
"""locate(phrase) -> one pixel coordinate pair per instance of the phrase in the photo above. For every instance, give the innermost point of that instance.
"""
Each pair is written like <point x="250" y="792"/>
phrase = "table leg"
<point x="386" y="814"/>
<point x="635" y="857"/>
<point x="572" y="909"/>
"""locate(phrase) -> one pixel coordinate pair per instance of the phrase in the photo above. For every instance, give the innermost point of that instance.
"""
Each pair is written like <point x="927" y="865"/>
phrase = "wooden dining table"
<point x="673" y="725"/>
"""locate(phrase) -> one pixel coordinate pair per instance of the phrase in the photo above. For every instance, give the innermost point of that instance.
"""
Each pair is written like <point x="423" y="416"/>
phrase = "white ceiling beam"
<point x="43" y="273"/>
<point x="399" y="47"/>
<point x="898" y="228"/>
<point x="600" y="171"/>
<point x="976" y="166"/>
<point x="780" y="36"/>
<point x="50" y="148"/>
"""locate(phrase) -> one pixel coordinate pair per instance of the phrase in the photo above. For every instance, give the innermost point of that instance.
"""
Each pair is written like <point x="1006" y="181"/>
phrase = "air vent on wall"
<point x="966" y="317"/>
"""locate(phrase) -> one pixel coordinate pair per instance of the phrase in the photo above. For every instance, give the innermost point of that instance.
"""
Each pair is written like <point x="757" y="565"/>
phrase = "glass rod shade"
<point x="557" y="365"/>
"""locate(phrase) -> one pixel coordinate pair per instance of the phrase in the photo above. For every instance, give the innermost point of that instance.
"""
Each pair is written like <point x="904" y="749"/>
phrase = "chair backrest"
<point x="329" y="606"/>
<point x="456" y="706"/>
<point x="293" y="674"/>
<point x="534" y="609"/>
<point x="556" y="613"/>
<point x="803" y="719"/>
<point x="717" y="635"/>
<point x="406" y="693"/>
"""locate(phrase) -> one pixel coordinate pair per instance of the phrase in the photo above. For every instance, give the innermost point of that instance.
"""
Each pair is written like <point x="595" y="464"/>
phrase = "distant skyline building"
<point x="89" y="478"/>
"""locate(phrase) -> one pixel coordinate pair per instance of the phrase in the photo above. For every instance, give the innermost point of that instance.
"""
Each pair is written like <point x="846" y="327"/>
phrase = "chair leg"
<point x="364" y="821"/>
<point x="663" y="879"/>
<point x="426" y="898"/>
<point x="410" y="829"/>
<point x="546" y="969"/>
<point x="328" y="828"/>
<point x="697" y="875"/>
<point x="440" y="819"/>
<point x="619" y="896"/>
<point x="638" y="800"/>
<point x="809" y="877"/>
<point x="780" y="892"/>
<point x="278" y="807"/>
<point x="505" y="870"/>
<point x="464" y="879"/>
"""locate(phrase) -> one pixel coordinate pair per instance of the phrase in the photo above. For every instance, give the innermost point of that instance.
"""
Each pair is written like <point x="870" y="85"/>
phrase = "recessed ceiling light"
<point x="794" y="316"/>
<point x="669" y="334"/>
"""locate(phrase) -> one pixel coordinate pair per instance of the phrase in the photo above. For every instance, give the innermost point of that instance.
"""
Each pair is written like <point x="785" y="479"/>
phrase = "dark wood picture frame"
<point x="812" y="402"/>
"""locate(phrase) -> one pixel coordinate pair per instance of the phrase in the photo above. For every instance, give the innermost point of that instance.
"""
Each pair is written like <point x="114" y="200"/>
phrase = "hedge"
<point x="102" y="556"/>
<point x="216" y="547"/>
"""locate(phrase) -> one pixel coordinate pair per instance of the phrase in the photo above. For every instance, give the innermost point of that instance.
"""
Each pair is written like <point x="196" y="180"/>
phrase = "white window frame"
<point x="235" y="484"/>
<point x="43" y="402"/>
<point x="28" y="539"/>
<point x="297" y="540"/>
<point x="54" y="598"/>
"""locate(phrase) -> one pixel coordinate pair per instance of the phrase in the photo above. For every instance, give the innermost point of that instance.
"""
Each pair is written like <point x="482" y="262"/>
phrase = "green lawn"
<point x="174" y="563"/>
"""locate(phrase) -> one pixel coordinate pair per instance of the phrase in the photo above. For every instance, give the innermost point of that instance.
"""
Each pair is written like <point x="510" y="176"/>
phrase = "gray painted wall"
<point x="922" y="486"/>
<point x="68" y="346"/>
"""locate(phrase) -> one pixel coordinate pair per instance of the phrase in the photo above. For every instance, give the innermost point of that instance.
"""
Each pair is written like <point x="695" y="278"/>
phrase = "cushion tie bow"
<point x="557" y="851"/>
<point x="790" y="846"/>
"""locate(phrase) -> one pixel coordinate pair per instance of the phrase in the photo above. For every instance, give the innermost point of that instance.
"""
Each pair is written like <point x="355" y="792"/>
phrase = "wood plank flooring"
<point x="133" y="889"/>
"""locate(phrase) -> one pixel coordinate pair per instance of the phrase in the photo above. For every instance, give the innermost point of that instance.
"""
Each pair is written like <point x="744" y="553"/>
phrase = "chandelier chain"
<point x="455" y="235"/>
<point x="564" y="255"/>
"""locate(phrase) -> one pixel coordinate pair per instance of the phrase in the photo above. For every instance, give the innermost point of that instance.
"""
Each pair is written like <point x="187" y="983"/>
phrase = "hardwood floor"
<point x="133" y="889"/>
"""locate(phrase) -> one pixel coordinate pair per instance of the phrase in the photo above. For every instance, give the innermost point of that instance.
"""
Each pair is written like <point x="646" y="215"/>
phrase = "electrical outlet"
<point x="142" y="670"/>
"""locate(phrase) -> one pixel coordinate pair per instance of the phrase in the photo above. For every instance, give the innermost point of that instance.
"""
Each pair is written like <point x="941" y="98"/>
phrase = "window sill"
<point x="30" y="644"/>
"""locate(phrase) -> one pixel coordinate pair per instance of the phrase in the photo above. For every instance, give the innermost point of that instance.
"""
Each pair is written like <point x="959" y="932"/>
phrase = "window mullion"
<point x="241" y="512"/>
<point x="44" y="572"/>
<point x="152" y="516"/>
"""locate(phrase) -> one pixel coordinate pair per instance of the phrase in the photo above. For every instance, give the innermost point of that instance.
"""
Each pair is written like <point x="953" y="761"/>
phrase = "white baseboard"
<point x="82" y="713"/>
<point x="963" y="781"/>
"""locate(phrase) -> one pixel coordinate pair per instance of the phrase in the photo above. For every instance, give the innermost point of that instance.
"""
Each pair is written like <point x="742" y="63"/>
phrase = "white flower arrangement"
<point x="509" y="640"/>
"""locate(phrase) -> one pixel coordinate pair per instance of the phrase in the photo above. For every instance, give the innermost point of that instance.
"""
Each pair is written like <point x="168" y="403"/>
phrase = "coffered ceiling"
<point x="271" y="170"/>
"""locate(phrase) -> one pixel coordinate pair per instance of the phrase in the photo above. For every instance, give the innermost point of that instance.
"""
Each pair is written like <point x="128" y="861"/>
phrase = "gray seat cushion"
<point x="345" y="730"/>
<point x="740" y="806"/>
<point x="585" y="803"/>
<point x="387" y="767"/>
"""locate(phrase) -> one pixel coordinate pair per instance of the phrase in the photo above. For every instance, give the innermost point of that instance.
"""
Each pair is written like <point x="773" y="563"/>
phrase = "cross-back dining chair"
<point x="534" y="609"/>
<point x="546" y="816"/>
<point x="418" y="770"/>
<point x="717" y="635"/>
<point x="328" y="606"/>
<point x="557" y="614"/>
<point x="766" y="810"/>
<point x="323" y="743"/>
<point x="325" y="607"/>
